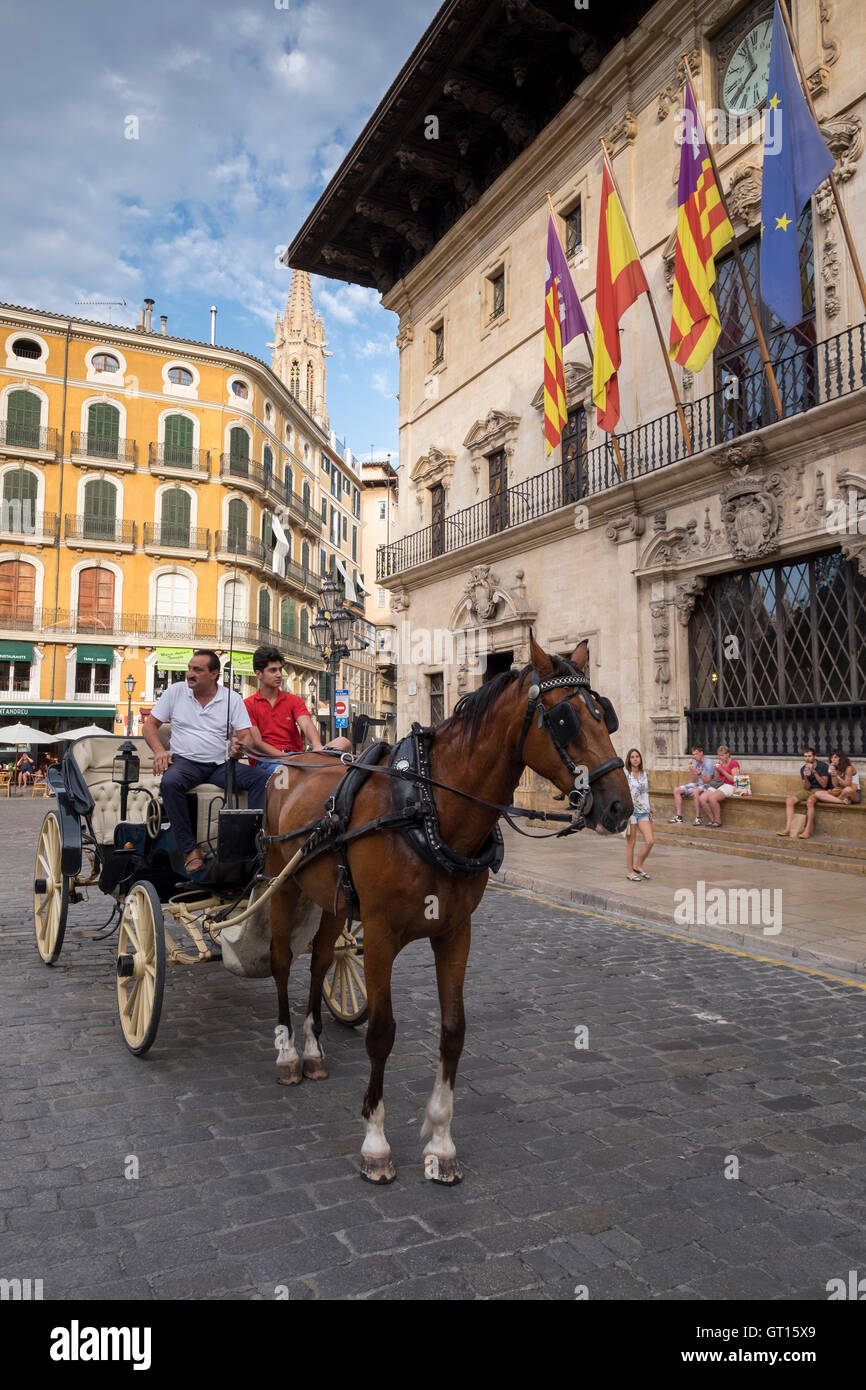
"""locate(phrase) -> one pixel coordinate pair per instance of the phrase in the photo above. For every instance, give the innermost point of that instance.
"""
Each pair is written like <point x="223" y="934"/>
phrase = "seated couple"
<point x="834" y="781"/>
<point x="201" y="710"/>
<point x="712" y="780"/>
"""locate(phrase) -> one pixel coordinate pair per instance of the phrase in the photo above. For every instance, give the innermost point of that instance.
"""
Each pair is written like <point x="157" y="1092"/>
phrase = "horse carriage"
<point x="108" y="831"/>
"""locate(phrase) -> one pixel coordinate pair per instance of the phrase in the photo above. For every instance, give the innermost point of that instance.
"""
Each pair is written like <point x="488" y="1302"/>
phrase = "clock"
<point x="744" y="84"/>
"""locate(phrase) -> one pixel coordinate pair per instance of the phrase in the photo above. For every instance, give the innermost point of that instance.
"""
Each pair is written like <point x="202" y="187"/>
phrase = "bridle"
<point x="563" y="726"/>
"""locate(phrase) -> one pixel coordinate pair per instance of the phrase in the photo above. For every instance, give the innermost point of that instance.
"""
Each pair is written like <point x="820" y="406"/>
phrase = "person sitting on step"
<point x="845" y="790"/>
<point x="815" y="776"/>
<point x="701" y="769"/>
<point x="722" y="786"/>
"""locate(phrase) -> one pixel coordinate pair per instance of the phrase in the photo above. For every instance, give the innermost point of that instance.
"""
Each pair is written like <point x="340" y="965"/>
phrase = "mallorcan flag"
<point x="563" y="320"/>
<point x="702" y="230"/>
<point x="619" y="281"/>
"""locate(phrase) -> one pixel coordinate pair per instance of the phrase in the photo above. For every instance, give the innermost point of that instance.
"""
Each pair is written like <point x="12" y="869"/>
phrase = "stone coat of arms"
<point x="750" y="514"/>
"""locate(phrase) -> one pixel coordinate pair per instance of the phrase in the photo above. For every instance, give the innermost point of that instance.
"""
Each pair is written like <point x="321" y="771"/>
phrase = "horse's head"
<point x="565" y="737"/>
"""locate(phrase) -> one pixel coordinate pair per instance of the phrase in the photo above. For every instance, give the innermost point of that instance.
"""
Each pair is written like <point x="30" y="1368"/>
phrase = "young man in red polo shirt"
<point x="281" y="718"/>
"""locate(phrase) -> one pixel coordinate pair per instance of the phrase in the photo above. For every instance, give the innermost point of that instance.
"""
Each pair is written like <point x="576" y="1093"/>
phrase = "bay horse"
<point x="481" y="750"/>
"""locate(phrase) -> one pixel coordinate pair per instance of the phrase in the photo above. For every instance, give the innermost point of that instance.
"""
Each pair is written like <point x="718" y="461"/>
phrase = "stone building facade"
<point x="722" y="592"/>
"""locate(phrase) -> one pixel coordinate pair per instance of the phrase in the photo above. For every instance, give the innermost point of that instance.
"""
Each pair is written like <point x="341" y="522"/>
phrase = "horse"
<point x="481" y="750"/>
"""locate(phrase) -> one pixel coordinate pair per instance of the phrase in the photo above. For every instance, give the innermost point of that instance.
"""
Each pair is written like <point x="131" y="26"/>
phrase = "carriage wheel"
<point x="140" y="967"/>
<point x="344" y="987"/>
<point x="51" y="891"/>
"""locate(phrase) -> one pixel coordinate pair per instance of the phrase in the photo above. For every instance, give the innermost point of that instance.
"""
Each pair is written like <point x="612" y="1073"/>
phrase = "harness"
<point x="415" y="814"/>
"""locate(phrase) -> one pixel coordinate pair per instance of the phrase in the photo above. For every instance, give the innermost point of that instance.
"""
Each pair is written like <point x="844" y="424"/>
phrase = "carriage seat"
<point x="205" y="796"/>
<point x="95" y="758"/>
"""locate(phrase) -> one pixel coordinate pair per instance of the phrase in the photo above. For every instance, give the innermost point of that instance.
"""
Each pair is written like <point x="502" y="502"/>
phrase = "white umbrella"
<point x="89" y="731"/>
<point x="23" y="733"/>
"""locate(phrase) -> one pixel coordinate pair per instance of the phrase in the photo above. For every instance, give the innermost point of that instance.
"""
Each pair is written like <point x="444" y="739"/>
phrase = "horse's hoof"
<point x="444" y="1170"/>
<point x="290" y="1073"/>
<point x="378" y="1170"/>
<point x="315" y="1068"/>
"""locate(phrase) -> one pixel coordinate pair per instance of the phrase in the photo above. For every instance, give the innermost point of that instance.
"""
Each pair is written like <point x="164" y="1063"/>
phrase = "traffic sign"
<point x="341" y="704"/>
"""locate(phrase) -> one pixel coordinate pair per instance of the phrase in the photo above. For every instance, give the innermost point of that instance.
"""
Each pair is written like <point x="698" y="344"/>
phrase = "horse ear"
<point x="538" y="656"/>
<point x="580" y="656"/>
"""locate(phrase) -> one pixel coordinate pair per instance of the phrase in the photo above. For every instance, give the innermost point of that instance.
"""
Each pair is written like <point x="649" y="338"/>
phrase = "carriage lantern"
<point x="125" y="769"/>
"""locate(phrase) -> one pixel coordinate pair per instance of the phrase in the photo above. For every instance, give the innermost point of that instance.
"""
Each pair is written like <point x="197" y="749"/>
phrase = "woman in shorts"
<point x="640" y="819"/>
<point x="723" y="785"/>
<point x="844" y="789"/>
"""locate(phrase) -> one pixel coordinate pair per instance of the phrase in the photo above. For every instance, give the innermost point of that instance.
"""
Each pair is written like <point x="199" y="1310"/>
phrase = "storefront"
<point x="60" y="718"/>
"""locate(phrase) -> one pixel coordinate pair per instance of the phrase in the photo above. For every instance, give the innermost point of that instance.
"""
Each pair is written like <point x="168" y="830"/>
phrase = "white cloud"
<point x="383" y="383"/>
<point x="347" y="303"/>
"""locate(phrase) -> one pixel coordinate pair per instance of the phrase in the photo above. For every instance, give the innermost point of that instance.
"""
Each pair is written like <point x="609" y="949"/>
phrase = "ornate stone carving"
<point x="671" y="95"/>
<point x="750" y="515"/>
<point x="669" y="260"/>
<point x="661" y="626"/>
<point x="406" y="335"/>
<point x="623" y="133"/>
<point x="743" y="195"/>
<point x="436" y="466"/>
<point x="746" y="451"/>
<point x="498" y="431"/>
<point x="830" y="276"/>
<point x="628" y="526"/>
<point x="818" y="81"/>
<point x="661" y="654"/>
<point x="830" y="46"/>
<point x="578" y="386"/>
<point x="400" y="600"/>
<point x="844" y="135"/>
<point x="480" y="590"/>
<point x="687" y="596"/>
<point x="473" y="97"/>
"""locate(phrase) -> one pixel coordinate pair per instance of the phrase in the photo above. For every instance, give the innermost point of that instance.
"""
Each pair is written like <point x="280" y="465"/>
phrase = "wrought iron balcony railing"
<point x="103" y="446"/>
<point x="173" y="535"/>
<point x="178" y="456"/>
<point x="97" y="528"/>
<point x="17" y="519"/>
<point x="816" y="374"/>
<point x="15" y="436"/>
<point x="778" y="731"/>
<point x="237" y="543"/>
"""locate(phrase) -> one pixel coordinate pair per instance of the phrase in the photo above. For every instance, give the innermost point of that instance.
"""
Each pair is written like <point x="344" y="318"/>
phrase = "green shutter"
<point x="100" y="509"/>
<point x="175" y="516"/>
<point x="20" y="485"/>
<point x="177" y="448"/>
<point x="305" y="625"/>
<point x="237" y="527"/>
<point x="239" y="451"/>
<point x="103" y="429"/>
<point x="23" y="419"/>
<point x="264" y="608"/>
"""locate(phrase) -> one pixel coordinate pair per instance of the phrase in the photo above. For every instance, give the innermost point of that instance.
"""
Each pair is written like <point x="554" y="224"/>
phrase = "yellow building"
<point x="149" y="488"/>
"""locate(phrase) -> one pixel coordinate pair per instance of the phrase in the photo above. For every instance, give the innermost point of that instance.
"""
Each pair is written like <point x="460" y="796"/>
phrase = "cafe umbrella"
<point x="23" y="734"/>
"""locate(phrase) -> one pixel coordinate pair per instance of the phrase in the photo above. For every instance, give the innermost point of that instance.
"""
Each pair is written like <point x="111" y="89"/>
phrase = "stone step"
<point x="819" y="844"/>
<point x="834" y="856"/>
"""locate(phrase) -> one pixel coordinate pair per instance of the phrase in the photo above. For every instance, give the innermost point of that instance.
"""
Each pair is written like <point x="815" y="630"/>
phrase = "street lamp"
<point x="130" y="686"/>
<point x="331" y="633"/>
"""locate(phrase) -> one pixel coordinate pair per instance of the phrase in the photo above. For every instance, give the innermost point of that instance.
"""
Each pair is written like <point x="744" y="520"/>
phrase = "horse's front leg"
<point x="289" y="1066"/>
<point x="379" y="956"/>
<point x="440" y="1156"/>
<point x="314" y="1065"/>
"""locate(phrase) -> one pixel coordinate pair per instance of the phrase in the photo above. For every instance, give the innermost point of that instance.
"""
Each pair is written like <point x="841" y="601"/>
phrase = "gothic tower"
<point x="299" y="349"/>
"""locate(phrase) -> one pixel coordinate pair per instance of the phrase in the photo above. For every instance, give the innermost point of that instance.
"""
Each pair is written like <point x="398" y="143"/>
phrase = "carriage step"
<point x="40" y="885"/>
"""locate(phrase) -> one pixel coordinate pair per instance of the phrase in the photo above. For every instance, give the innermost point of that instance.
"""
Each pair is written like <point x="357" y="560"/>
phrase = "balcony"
<point x="170" y="538"/>
<point x="98" y="533"/>
<point x="815" y="375"/>
<point x="174" y="461"/>
<point x="104" y="448"/>
<point x="252" y="635"/>
<point x="233" y="546"/>
<point x="27" y="441"/>
<point x="243" y="472"/>
<point x="20" y="523"/>
<point x="302" y="578"/>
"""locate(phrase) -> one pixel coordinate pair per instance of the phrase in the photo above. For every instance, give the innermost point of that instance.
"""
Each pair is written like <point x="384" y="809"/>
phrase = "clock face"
<point x="745" y="85"/>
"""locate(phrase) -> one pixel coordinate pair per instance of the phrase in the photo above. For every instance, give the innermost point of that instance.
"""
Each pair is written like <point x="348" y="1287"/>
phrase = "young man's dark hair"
<point x="213" y="661"/>
<point x="265" y="656"/>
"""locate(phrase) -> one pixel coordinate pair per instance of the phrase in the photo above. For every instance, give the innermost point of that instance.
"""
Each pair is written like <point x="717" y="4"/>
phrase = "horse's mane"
<point x="471" y="711"/>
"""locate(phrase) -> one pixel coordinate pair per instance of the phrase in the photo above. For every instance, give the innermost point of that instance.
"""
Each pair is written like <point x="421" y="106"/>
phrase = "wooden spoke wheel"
<point x="50" y="891"/>
<point x="344" y="987"/>
<point x="140" y="967"/>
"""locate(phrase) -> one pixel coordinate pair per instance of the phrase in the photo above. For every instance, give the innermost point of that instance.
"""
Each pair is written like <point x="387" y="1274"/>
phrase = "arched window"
<point x="180" y="376"/>
<point x="173" y="598"/>
<point x="310" y="387"/>
<point x="103" y="430"/>
<point x="17" y="592"/>
<point x="268" y="538"/>
<point x="20" y="488"/>
<point x="177" y="448"/>
<point x="264" y="608"/>
<point x="287" y="618"/>
<point x="289" y="480"/>
<point x="305" y="625"/>
<point x="305" y="555"/>
<point x="100" y="510"/>
<point x="290" y="542"/>
<point x="238" y="525"/>
<point x="26" y="347"/>
<point x="239" y="451"/>
<point x="308" y="496"/>
<point x="234" y="606"/>
<point x="23" y="418"/>
<point x="96" y="600"/>
<point x="240" y="389"/>
<point x="174" y="516"/>
<point x="268" y="463"/>
<point x="105" y="362"/>
<point x="295" y="379"/>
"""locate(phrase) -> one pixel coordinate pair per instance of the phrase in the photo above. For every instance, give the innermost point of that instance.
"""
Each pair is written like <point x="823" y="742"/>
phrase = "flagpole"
<point x="680" y="412"/>
<point x="738" y="257"/>
<point x="843" y="216"/>
<point x="586" y="338"/>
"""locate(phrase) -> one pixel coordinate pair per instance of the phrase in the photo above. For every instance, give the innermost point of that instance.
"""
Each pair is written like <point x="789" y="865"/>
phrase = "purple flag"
<point x="571" y="315"/>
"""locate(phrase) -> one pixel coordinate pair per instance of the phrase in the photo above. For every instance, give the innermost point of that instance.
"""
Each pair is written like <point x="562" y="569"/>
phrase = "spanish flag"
<point x="702" y="230"/>
<point x="619" y="281"/>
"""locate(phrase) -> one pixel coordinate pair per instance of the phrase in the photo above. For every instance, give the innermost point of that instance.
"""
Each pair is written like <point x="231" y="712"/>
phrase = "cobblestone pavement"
<point x="600" y="1167"/>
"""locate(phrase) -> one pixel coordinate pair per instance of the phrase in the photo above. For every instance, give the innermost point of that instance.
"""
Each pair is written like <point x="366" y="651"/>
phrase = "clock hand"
<point x="752" y="69"/>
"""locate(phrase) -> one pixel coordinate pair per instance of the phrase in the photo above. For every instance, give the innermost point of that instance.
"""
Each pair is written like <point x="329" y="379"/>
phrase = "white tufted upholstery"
<point x="95" y="757"/>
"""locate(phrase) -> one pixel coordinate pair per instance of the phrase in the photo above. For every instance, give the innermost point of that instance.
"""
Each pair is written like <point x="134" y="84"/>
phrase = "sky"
<point x="239" y="114"/>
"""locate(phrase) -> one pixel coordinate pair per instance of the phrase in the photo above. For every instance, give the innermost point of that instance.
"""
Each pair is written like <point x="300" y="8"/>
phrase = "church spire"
<point x="299" y="349"/>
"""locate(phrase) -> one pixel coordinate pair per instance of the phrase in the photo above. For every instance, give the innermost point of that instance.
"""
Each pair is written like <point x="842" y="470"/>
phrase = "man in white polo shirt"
<point x="200" y="710"/>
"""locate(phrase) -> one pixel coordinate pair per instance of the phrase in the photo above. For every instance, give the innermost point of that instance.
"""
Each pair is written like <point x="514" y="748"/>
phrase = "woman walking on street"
<point x="640" y="819"/>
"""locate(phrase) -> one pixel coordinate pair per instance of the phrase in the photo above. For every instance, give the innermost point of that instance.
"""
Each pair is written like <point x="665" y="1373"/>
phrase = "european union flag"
<point x="796" y="161"/>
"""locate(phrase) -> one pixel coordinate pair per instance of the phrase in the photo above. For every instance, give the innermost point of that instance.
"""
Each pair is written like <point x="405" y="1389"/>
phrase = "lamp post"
<point x="331" y="633"/>
<point x="130" y="686"/>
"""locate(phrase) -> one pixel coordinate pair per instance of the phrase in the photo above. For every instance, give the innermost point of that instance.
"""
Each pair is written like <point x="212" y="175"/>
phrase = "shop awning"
<point x="95" y="656"/>
<point x="52" y="711"/>
<point x="16" y="651"/>
<point x="241" y="661"/>
<point x="173" y="658"/>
